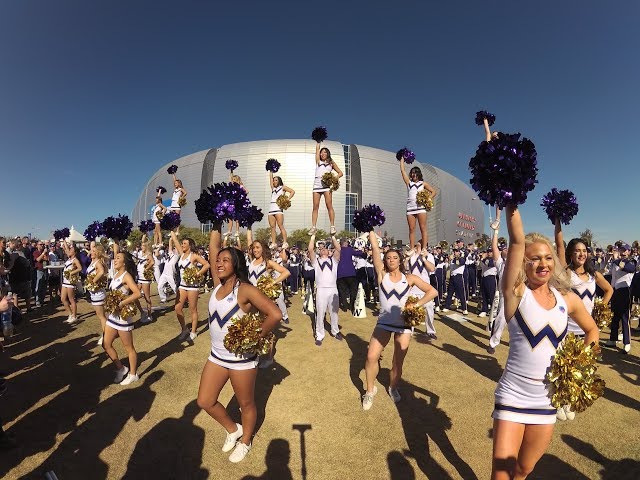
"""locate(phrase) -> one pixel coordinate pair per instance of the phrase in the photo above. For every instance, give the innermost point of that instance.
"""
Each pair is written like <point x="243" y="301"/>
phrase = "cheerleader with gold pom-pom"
<point x="417" y="206"/>
<point x="96" y="283"/>
<point x="145" y="277"/>
<point x="281" y="196"/>
<point x="321" y="186"/>
<point x="70" y="277"/>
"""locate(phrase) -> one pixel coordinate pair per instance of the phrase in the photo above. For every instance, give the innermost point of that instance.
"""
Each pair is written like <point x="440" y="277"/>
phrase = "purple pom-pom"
<point x="231" y="165"/>
<point x="172" y="169"/>
<point x="222" y="201"/>
<point x="61" y="234"/>
<point x="249" y="216"/>
<point x="504" y="170"/>
<point x="273" y="165"/>
<point x="170" y="221"/>
<point x="161" y="190"/>
<point x="319" y="134"/>
<point x="482" y="114"/>
<point x="408" y="155"/>
<point x="117" y="227"/>
<point x="146" y="226"/>
<point x="561" y="204"/>
<point x="368" y="218"/>
<point x="93" y="231"/>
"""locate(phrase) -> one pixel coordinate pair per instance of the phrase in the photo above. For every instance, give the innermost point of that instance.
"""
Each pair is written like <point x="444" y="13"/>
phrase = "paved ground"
<point x="69" y="417"/>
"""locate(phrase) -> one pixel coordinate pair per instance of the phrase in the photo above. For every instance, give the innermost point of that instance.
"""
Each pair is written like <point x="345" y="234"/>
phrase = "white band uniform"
<point x="326" y="272"/>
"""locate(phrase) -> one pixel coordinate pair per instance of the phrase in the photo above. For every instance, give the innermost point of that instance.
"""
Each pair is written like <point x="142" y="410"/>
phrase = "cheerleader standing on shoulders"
<point x="124" y="280"/>
<point x="537" y="300"/>
<point x="394" y="287"/>
<point x="415" y="184"/>
<point x="235" y="179"/>
<point x="179" y="195"/>
<point x="158" y="212"/>
<point x="324" y="164"/>
<point x="186" y="291"/>
<point x="145" y="265"/>
<point x="276" y="215"/>
<point x="97" y="268"/>
<point x="72" y="267"/>
<point x="233" y="295"/>
<point x="326" y="271"/>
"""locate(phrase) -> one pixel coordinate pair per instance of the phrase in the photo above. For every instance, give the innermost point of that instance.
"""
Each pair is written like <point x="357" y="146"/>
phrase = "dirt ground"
<point x="68" y="417"/>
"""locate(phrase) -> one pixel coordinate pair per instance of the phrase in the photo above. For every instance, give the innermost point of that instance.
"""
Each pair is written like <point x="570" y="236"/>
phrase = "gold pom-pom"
<point x="192" y="277"/>
<point x="243" y="336"/>
<point x="283" y="202"/>
<point x="330" y="181"/>
<point x="112" y="305"/>
<point x="413" y="314"/>
<point x="601" y="313"/>
<point x="270" y="288"/>
<point x="573" y="374"/>
<point x="182" y="201"/>
<point x="72" y="278"/>
<point x="91" y="285"/>
<point x="424" y="200"/>
<point x="160" y="215"/>
<point x="148" y="273"/>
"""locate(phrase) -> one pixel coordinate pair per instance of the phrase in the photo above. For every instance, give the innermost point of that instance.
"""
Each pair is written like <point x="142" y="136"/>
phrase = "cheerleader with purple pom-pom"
<point x="415" y="212"/>
<point x="276" y="215"/>
<point x="324" y="164"/>
<point x="230" y="224"/>
<point x="179" y="196"/>
<point x="159" y="210"/>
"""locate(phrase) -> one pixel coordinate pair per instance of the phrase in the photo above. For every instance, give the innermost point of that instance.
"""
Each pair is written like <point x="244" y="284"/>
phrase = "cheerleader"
<point x="421" y="264"/>
<point x="72" y="267"/>
<point x="394" y="288"/>
<point x="326" y="273"/>
<point x="233" y="295"/>
<point x="276" y="215"/>
<point x="235" y="179"/>
<point x="179" y="196"/>
<point x="97" y="268"/>
<point x="537" y="301"/>
<point x="145" y="266"/>
<point x="188" y="259"/>
<point x="159" y="210"/>
<point x="415" y="184"/>
<point x="124" y="280"/>
<point x="324" y="164"/>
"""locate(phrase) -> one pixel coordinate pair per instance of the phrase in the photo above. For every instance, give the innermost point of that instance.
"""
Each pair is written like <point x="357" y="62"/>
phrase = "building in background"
<point x="371" y="175"/>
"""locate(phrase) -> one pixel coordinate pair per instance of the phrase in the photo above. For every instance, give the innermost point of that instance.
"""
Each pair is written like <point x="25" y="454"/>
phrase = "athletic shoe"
<point x="609" y="343"/>
<point x="312" y="231"/>
<point x="570" y="415"/>
<point x="432" y="336"/>
<point x="38" y="304"/>
<point x="99" y="342"/>
<point x="130" y="379"/>
<point x="265" y="363"/>
<point x="445" y="310"/>
<point x="318" y="343"/>
<point x="561" y="414"/>
<point x="367" y="399"/>
<point x="465" y="312"/>
<point x="285" y="245"/>
<point x="239" y="453"/>
<point x="438" y="309"/>
<point x="332" y="230"/>
<point x="285" y="320"/>
<point x="183" y="334"/>
<point x="491" y="350"/>
<point x="120" y="374"/>
<point x="338" y="336"/>
<point x="627" y="347"/>
<point x="232" y="439"/>
<point x="71" y="320"/>
<point x="482" y="314"/>
<point x="394" y="394"/>
<point x="620" y="337"/>
<point x="193" y="336"/>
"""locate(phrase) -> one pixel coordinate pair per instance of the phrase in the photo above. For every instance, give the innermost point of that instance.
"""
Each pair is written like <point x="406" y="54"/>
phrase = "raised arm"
<point x="375" y="253"/>
<point x="214" y="248"/>
<point x="317" y="154"/>
<point x="515" y="257"/>
<point x="405" y="177"/>
<point x="336" y="248"/>
<point x="249" y="238"/>
<point x="495" y="251"/>
<point x="174" y="237"/>
<point x="311" y="249"/>
<point x="487" y="130"/>
<point x="560" y="249"/>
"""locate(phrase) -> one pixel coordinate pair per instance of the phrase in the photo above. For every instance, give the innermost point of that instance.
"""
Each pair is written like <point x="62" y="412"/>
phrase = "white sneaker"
<point x="627" y="347"/>
<point x="120" y="374"/>
<point x="620" y="337"/>
<point x="394" y="394"/>
<point x="312" y="231"/>
<point x="561" y="414"/>
<point x="285" y="245"/>
<point x="71" y="320"/>
<point x="232" y="439"/>
<point x="239" y="453"/>
<point x="367" y="398"/>
<point x="183" y="334"/>
<point x="445" y="310"/>
<point x="465" y="312"/>
<point x="192" y="336"/>
<point x="129" y="379"/>
<point x="438" y="309"/>
<point x="570" y="415"/>
<point x="482" y="314"/>
<point x="99" y="342"/>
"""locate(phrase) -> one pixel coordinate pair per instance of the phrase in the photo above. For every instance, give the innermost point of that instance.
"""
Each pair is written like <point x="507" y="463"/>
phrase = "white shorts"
<point x="237" y="363"/>
<point x="523" y="400"/>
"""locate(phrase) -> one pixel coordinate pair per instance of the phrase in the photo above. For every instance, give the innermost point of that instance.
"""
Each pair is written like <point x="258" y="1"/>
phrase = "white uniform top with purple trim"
<point x="393" y="296"/>
<point x="326" y="270"/>
<point x="412" y="192"/>
<point x="586" y="290"/>
<point x="273" y="206"/>
<point x="177" y="193"/>
<point x="97" y="297"/>
<point x="68" y="266"/>
<point x="418" y="268"/>
<point x="221" y="313"/>
<point x="534" y="335"/>
<point x="112" y="320"/>
<point x="321" y="169"/>
<point x="256" y="271"/>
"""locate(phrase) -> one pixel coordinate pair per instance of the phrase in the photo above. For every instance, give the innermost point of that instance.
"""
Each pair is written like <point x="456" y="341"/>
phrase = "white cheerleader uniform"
<point x="321" y="169"/>
<point x="122" y="324"/>
<point x="412" y="192"/>
<point x="326" y="271"/>
<point x="419" y="269"/>
<point x="522" y="394"/>
<point x="154" y="214"/>
<point x="182" y="264"/>
<point x="221" y="313"/>
<point x="586" y="290"/>
<point x="257" y="271"/>
<point x="274" y="209"/>
<point x="393" y="296"/>
<point x="175" y="206"/>
<point x="68" y="266"/>
<point x="97" y="298"/>
<point x="142" y="261"/>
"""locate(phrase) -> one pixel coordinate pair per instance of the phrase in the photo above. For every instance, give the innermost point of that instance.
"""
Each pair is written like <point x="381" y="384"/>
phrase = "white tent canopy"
<point x="75" y="236"/>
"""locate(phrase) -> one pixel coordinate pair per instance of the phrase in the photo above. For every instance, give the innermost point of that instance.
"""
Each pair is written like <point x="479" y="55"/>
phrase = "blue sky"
<point x="94" y="96"/>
